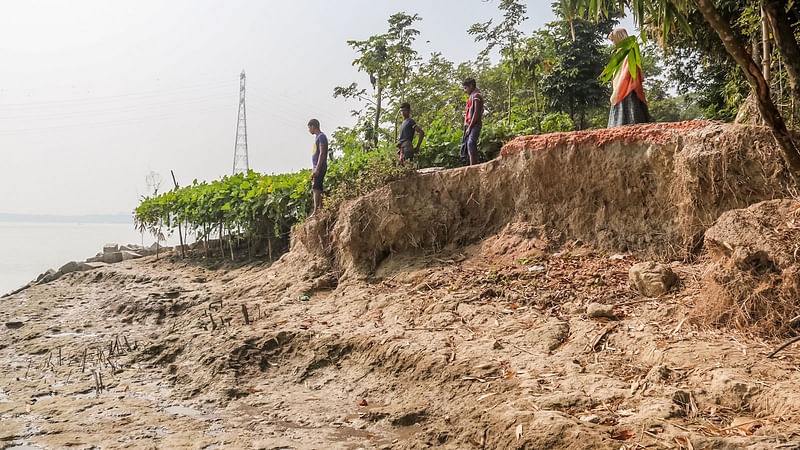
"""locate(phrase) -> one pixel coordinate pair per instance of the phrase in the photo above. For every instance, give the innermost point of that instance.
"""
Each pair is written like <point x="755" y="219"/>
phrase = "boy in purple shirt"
<point x="319" y="162"/>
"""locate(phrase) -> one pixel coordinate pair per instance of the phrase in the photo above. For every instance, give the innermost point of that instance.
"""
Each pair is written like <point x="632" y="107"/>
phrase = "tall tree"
<point x="401" y="54"/>
<point x="776" y="14"/>
<point x="433" y="93"/>
<point x="535" y="59"/>
<point x="665" y="14"/>
<point x="373" y="59"/>
<point x="387" y="59"/>
<point x="572" y="86"/>
<point x="505" y="35"/>
<point x="755" y="77"/>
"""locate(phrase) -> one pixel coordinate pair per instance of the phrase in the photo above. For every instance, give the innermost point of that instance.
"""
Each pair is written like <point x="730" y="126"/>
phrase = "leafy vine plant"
<point x="241" y="205"/>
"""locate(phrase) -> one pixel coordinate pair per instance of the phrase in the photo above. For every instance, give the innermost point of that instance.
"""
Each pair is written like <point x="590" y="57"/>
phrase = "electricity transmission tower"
<point x="240" y="163"/>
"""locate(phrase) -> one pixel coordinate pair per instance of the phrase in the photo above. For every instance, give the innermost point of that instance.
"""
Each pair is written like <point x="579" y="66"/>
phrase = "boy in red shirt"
<point x="473" y="121"/>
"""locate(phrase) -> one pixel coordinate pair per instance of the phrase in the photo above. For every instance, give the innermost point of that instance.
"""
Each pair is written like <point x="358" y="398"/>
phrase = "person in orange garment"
<point x="628" y="104"/>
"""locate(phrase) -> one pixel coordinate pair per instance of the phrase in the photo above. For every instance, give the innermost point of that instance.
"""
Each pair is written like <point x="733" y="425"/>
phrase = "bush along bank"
<point x="252" y="208"/>
<point x="243" y="205"/>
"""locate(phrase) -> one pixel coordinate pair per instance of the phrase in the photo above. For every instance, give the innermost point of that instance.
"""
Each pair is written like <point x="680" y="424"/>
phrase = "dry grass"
<point x="764" y="304"/>
<point x="758" y="294"/>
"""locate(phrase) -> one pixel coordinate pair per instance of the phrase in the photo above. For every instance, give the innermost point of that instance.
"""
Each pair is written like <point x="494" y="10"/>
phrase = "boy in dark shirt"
<point x="319" y="162"/>
<point x="405" y="143"/>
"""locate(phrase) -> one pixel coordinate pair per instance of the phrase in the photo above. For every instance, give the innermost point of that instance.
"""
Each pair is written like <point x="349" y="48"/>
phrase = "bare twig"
<point x="244" y="313"/>
<point x="519" y="348"/>
<point x="430" y="328"/>
<point x="785" y="344"/>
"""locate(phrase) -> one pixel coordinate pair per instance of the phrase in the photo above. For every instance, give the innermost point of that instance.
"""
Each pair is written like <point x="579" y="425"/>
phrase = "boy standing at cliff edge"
<point x="405" y="142"/>
<point x="473" y="121"/>
<point x="319" y="162"/>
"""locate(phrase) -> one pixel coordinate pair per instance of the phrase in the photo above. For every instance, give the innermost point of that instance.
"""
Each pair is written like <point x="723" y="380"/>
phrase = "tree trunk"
<point x="755" y="77"/>
<point x="536" y="99"/>
<point x="748" y="112"/>
<point x="510" y="81"/>
<point x="377" y="112"/>
<point x="756" y="51"/>
<point x="787" y="46"/>
<point x="766" y="47"/>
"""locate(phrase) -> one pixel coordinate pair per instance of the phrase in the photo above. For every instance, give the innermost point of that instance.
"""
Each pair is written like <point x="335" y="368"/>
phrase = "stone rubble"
<point x="112" y="253"/>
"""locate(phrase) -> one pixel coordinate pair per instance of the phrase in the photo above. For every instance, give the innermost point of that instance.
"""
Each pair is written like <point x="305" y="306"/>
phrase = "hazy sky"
<point x="96" y="94"/>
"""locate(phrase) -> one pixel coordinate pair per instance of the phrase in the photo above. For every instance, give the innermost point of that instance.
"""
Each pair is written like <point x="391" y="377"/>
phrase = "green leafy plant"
<point x="242" y="205"/>
<point x="627" y="48"/>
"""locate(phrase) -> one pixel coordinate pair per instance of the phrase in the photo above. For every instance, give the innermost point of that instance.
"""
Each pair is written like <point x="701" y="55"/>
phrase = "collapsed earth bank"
<point x="648" y="189"/>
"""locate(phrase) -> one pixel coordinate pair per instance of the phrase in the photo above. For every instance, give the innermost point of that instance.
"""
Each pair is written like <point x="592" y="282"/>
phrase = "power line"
<point x="119" y="109"/>
<point x="103" y="124"/>
<point x="104" y="99"/>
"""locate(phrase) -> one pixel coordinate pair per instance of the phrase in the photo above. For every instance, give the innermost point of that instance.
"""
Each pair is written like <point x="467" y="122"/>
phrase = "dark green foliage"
<point x="573" y="87"/>
<point x="240" y="202"/>
<point x="699" y="64"/>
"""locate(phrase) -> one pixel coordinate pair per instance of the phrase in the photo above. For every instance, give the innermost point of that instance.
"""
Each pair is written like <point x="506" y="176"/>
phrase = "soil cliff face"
<point x="650" y="189"/>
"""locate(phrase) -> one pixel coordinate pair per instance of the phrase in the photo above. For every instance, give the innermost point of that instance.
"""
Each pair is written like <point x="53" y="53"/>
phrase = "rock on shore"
<point x="112" y="253"/>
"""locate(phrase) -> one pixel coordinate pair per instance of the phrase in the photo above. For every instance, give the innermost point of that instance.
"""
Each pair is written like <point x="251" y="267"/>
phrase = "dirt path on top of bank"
<point x="451" y="350"/>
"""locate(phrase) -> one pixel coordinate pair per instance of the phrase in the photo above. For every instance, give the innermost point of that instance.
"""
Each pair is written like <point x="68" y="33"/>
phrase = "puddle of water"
<point x="217" y="432"/>
<point x="71" y="334"/>
<point x="343" y="434"/>
<point x="4" y="397"/>
<point x="162" y="431"/>
<point x="182" y="410"/>
<point x="42" y="396"/>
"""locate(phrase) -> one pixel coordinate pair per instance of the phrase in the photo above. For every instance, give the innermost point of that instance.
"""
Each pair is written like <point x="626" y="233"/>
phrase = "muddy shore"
<point x="454" y="350"/>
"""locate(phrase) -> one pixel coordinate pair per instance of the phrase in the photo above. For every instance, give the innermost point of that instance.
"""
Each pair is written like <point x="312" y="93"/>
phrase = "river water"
<point x="28" y="249"/>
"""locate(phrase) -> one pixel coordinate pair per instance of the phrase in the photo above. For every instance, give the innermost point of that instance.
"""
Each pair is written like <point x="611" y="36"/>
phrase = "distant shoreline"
<point x="124" y="219"/>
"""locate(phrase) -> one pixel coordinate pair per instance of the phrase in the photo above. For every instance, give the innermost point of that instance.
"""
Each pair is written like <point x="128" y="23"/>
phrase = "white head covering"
<point x="618" y="35"/>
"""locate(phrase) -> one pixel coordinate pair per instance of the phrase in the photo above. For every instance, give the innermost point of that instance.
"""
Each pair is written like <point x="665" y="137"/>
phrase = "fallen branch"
<point x="785" y="344"/>
<point x="519" y="348"/>
<point x="430" y="328"/>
